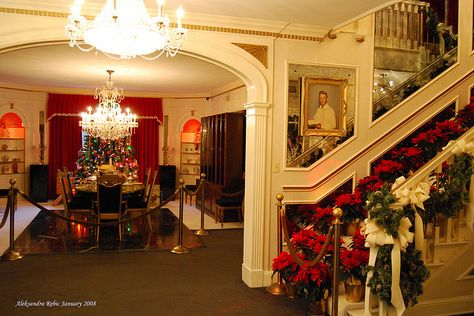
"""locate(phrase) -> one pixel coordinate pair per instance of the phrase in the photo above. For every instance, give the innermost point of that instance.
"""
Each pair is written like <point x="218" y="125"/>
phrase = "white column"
<point x="255" y="161"/>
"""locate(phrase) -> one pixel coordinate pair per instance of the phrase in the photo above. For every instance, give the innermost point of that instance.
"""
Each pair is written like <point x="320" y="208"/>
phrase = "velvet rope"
<point x="5" y="215"/>
<point x="291" y="249"/>
<point x="68" y="219"/>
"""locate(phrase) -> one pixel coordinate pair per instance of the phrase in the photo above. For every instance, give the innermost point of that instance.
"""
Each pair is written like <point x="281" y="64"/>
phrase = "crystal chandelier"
<point x="123" y="29"/>
<point x="108" y="122"/>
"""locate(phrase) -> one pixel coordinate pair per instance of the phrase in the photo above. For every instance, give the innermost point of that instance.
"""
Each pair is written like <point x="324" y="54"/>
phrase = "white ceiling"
<point x="62" y="67"/>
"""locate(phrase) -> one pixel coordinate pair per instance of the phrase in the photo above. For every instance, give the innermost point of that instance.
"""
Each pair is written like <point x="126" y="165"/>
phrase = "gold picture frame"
<point x="331" y="119"/>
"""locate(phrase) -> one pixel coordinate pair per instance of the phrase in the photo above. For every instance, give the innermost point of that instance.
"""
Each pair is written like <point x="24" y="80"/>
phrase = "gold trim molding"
<point x="260" y="52"/>
<point x="207" y="28"/>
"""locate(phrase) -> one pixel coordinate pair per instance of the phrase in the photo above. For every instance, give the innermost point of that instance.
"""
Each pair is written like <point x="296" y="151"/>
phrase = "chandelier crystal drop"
<point x="123" y="30"/>
<point x="108" y="121"/>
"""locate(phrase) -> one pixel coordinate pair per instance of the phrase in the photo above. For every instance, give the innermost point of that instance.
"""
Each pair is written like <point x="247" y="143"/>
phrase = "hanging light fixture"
<point x="123" y="29"/>
<point x="108" y="122"/>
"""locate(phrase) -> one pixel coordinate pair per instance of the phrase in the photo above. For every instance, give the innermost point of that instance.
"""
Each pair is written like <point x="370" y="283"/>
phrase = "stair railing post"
<point x="12" y="254"/>
<point x="201" y="231"/>
<point x="337" y="212"/>
<point x="180" y="249"/>
<point x="278" y="288"/>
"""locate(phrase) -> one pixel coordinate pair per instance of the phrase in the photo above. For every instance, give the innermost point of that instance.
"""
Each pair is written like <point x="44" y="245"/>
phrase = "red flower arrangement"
<point x="352" y="206"/>
<point x="354" y="259"/>
<point x="285" y="265"/>
<point x="388" y="170"/>
<point x="322" y="219"/>
<point x="313" y="281"/>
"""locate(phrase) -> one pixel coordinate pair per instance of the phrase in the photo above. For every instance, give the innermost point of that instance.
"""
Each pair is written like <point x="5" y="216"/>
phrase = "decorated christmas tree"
<point x="96" y="152"/>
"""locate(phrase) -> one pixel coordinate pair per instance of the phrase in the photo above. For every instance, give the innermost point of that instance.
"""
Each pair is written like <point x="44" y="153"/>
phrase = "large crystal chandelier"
<point x="123" y="29"/>
<point x="108" y="122"/>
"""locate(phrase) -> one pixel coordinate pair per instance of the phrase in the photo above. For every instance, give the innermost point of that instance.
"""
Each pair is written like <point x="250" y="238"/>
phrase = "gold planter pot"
<point x="355" y="290"/>
<point x="291" y="290"/>
<point x="317" y="308"/>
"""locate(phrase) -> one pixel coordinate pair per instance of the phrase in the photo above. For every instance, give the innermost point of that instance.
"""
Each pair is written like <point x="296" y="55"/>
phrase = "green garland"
<point x="413" y="273"/>
<point x="381" y="213"/>
<point x="453" y="192"/>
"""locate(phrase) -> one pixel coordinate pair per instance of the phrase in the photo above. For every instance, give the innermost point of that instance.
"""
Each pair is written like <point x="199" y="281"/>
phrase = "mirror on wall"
<point x="321" y="103"/>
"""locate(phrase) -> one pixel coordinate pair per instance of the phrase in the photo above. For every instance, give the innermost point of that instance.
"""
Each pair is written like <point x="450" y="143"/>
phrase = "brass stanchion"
<point x="12" y="254"/>
<point x="278" y="288"/>
<point x="337" y="212"/>
<point x="201" y="231"/>
<point x="180" y="249"/>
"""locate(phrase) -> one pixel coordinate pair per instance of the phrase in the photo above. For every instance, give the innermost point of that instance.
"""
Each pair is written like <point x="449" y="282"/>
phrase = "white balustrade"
<point x="400" y="25"/>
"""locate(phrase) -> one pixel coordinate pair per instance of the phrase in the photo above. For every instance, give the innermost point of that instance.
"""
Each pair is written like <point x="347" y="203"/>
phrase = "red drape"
<point x="65" y="132"/>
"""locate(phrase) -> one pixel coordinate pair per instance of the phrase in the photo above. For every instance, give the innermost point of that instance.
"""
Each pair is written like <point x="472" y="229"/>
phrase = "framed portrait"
<point x="323" y="107"/>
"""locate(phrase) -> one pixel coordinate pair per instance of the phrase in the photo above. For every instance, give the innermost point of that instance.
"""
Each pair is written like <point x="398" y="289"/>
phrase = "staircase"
<point x="449" y="246"/>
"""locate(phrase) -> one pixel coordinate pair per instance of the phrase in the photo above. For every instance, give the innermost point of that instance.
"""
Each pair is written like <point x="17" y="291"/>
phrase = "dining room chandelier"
<point x="108" y="121"/>
<point x="123" y="30"/>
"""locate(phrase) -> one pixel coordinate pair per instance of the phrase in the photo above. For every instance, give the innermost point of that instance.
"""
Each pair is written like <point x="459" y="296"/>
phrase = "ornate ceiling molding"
<point x="195" y="27"/>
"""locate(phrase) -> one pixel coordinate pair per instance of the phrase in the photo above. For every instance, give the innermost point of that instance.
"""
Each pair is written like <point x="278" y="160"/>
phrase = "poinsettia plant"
<point x="312" y="279"/>
<point x="354" y="259"/>
<point x="352" y="207"/>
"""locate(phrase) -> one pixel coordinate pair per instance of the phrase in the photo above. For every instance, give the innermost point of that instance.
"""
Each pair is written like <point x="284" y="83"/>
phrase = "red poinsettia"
<point x="352" y="206"/>
<point x="285" y="265"/>
<point x="352" y="263"/>
<point x="354" y="258"/>
<point x="358" y="240"/>
<point x="388" y="170"/>
<point x="322" y="219"/>
<point x="368" y="184"/>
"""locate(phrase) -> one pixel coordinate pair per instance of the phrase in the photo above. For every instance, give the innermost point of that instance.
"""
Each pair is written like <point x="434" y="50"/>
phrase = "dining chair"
<point x="68" y="208"/>
<point x="229" y="201"/>
<point x="109" y="200"/>
<point x="74" y="202"/>
<point x="145" y="204"/>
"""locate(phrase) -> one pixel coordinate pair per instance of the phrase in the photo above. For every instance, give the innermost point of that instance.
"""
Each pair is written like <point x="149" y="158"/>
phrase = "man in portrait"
<point x="325" y="117"/>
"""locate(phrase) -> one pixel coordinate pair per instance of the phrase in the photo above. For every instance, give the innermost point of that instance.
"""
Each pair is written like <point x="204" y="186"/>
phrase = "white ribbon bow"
<point x="461" y="146"/>
<point x="376" y="236"/>
<point x="415" y="197"/>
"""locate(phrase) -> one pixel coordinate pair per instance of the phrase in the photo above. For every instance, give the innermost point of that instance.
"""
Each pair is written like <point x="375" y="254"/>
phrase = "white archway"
<point x="205" y="46"/>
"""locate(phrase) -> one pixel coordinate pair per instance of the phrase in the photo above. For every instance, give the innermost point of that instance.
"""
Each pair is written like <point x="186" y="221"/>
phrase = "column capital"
<point x="257" y="108"/>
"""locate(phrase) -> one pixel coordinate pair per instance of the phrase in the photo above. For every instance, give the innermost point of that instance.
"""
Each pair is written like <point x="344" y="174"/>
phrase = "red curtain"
<point x="145" y="139"/>
<point x="65" y="132"/>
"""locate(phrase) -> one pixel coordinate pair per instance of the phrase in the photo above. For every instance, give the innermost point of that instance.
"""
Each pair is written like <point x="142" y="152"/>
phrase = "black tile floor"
<point x="44" y="235"/>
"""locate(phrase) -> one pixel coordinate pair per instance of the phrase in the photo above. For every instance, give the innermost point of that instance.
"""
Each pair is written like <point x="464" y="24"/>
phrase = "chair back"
<point x="146" y="178"/>
<point x="68" y="184"/>
<point x="62" y="187"/>
<point x="109" y="193"/>
<point x="149" y="191"/>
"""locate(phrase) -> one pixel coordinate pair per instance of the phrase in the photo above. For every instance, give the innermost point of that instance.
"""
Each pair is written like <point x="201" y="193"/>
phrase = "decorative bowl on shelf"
<point x="4" y="147"/>
<point x="5" y="158"/>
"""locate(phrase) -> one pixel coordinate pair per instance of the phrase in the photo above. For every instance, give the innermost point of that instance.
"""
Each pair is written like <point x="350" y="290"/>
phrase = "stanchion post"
<point x="12" y="254"/>
<point x="201" y="231"/>
<point x="180" y="249"/>
<point x="337" y="212"/>
<point x="278" y="288"/>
